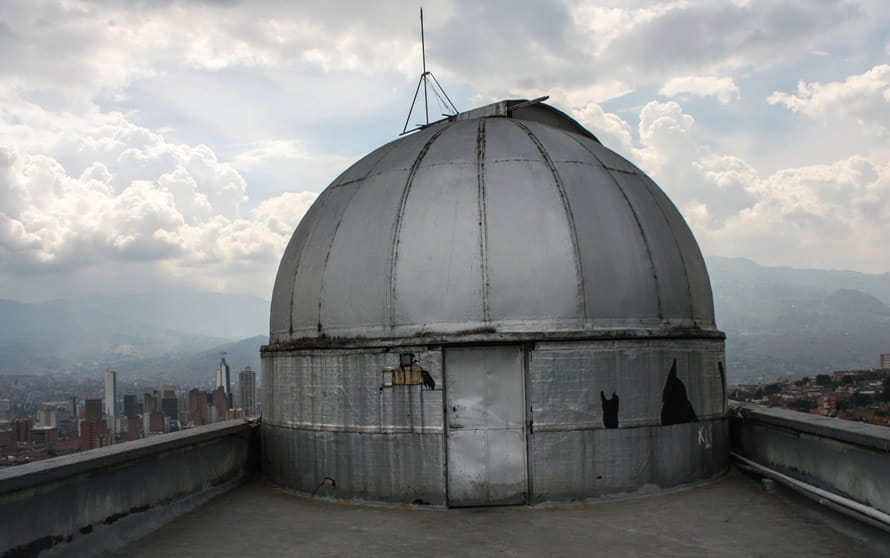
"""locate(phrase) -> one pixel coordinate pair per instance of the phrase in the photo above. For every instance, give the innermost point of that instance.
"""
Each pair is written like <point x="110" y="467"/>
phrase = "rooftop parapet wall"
<point x="848" y="459"/>
<point x="91" y="502"/>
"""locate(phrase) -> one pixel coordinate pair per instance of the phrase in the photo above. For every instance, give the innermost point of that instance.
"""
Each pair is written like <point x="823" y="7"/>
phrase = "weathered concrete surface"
<point x="733" y="516"/>
<point x="91" y="502"/>
<point x="850" y="459"/>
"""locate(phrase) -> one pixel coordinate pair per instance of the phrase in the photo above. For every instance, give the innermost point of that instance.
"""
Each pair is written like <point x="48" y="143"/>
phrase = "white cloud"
<point x="139" y="199"/>
<point x="833" y="215"/>
<point x="864" y="97"/>
<point x="723" y="88"/>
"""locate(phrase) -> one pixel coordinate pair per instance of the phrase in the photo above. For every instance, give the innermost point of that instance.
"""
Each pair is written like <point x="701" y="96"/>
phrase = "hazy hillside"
<point x="55" y="336"/>
<point x="792" y="322"/>
<point x="196" y="368"/>
<point x="88" y="334"/>
<point x="224" y="316"/>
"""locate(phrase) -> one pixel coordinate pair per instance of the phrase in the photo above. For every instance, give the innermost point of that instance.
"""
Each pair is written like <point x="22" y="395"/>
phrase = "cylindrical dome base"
<point x="495" y="423"/>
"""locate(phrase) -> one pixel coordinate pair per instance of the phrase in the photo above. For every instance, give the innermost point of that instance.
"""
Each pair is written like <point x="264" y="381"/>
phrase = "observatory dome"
<point x="495" y="309"/>
<point x="510" y="218"/>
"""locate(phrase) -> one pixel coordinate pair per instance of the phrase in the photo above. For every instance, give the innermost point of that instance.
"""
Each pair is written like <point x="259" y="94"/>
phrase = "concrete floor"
<point x="733" y="516"/>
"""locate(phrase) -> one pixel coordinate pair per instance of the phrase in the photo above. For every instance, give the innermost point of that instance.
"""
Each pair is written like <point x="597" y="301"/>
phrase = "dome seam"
<point x="573" y="233"/>
<point x="677" y="243"/>
<point x="327" y="254"/>
<point x="636" y="217"/>
<point x="483" y="222"/>
<point x="398" y="224"/>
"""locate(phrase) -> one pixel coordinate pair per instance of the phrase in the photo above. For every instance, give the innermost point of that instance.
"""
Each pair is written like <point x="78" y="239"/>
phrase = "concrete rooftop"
<point x="733" y="516"/>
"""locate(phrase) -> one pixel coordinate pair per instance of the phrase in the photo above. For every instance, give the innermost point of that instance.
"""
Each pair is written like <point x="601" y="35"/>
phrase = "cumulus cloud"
<point x="118" y="192"/>
<point x="832" y="215"/>
<point x="723" y="88"/>
<point x="864" y="97"/>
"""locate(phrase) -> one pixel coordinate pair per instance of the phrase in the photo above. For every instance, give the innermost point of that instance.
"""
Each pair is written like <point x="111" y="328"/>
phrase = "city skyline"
<point x="139" y="145"/>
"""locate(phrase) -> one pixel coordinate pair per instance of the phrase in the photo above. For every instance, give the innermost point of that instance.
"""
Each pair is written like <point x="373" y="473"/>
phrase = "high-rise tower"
<point x="111" y="399"/>
<point x="223" y="379"/>
<point x="247" y="388"/>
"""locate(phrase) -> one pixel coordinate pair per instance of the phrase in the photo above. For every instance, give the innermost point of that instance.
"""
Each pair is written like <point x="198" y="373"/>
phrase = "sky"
<point x="148" y="144"/>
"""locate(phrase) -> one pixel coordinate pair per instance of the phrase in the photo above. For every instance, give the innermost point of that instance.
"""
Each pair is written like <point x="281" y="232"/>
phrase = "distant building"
<point x="129" y="405"/>
<point x="220" y="404"/>
<point x="22" y="429"/>
<point x="223" y="380"/>
<point x="45" y="435"/>
<point x="169" y="403"/>
<point x="247" y="387"/>
<point x="46" y="416"/>
<point x="93" y="433"/>
<point x="93" y="409"/>
<point x="111" y="399"/>
<point x="197" y="406"/>
<point x="149" y="401"/>
<point x="153" y="423"/>
<point x="885" y="361"/>
<point x="134" y="428"/>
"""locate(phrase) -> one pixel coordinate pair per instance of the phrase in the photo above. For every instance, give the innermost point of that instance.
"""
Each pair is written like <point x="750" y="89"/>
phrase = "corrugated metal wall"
<point x="328" y="414"/>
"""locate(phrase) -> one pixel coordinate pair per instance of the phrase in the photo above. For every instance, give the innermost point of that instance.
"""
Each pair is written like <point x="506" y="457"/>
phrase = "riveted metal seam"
<point x="398" y="224"/>
<point x="327" y="255"/>
<point x="636" y="219"/>
<point x="677" y="243"/>
<point x="573" y="233"/>
<point x="483" y="222"/>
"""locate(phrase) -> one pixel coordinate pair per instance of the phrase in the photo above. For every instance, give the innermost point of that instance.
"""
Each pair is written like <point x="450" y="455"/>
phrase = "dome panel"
<point x="457" y="144"/>
<point x="325" y="209"/>
<point x="696" y="271"/>
<point x="405" y="151"/>
<point x="618" y="274"/>
<point x="559" y="145"/>
<point x="670" y="271"/>
<point x="530" y="256"/>
<point x="363" y="166"/>
<point x="609" y="158"/>
<point x="505" y="141"/>
<point x="356" y="290"/>
<point x="309" y="275"/>
<point x="438" y="277"/>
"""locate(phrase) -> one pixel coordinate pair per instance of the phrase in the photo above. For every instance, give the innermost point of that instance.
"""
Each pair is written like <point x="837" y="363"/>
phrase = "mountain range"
<point x="779" y="321"/>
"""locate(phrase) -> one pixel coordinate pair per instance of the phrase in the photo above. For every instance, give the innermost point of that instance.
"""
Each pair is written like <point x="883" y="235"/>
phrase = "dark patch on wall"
<point x="428" y="380"/>
<point x="610" y="410"/>
<point x="722" y="380"/>
<point x="676" y="408"/>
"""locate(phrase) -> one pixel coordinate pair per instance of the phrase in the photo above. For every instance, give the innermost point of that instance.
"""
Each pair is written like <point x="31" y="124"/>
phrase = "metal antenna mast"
<point x="434" y="85"/>
<point x="426" y="101"/>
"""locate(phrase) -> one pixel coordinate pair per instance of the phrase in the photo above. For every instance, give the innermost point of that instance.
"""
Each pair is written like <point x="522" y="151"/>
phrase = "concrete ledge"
<point x="845" y="458"/>
<point x="95" y="501"/>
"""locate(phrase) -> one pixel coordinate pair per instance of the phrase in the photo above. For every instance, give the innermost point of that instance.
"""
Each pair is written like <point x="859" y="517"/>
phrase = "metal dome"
<point x="510" y="218"/>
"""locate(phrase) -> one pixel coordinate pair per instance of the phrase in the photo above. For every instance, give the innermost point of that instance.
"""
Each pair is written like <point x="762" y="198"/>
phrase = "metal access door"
<point x="485" y="408"/>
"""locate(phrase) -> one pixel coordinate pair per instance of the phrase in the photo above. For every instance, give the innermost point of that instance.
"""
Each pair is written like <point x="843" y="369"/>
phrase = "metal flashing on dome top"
<point x="500" y="108"/>
<point x="443" y="98"/>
